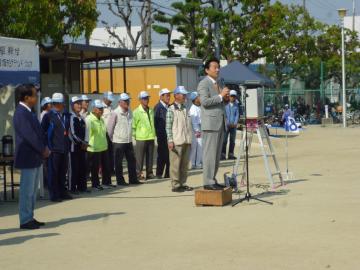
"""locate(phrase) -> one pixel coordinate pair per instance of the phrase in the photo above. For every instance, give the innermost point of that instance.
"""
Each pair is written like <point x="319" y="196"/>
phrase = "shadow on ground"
<point x="64" y="221"/>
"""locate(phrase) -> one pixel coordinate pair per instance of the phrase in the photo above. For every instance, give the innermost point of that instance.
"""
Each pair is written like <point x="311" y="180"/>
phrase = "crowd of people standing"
<point x="72" y="147"/>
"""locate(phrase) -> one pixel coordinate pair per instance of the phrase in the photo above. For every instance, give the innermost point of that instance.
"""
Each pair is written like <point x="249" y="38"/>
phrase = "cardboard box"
<point x="205" y="197"/>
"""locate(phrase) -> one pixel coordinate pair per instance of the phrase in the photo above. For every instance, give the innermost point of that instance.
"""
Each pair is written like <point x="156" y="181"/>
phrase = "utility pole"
<point x="148" y="22"/>
<point x="353" y="16"/>
<point x="217" y="32"/>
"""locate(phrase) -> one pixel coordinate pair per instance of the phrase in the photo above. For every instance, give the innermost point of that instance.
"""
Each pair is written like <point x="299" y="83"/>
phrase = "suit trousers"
<point x="127" y="150"/>
<point x="95" y="161"/>
<point x="144" y="149"/>
<point x="212" y="147"/>
<point x="57" y="169"/>
<point x="163" y="161"/>
<point x="179" y="164"/>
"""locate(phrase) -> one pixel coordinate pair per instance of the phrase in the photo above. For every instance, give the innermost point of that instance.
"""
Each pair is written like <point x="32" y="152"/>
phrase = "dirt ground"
<point x="313" y="224"/>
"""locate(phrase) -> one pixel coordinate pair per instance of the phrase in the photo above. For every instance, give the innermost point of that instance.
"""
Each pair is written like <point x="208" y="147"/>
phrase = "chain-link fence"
<point x="309" y="104"/>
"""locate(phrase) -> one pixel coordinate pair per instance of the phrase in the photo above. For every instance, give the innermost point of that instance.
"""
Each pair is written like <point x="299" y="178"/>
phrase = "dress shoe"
<point x="187" y="188"/>
<point x="232" y="157"/>
<point x="39" y="223"/>
<point x="220" y="185"/>
<point x="159" y="177"/>
<point x="212" y="187"/>
<point x="223" y="157"/>
<point x="135" y="183"/>
<point x="122" y="183"/>
<point x="166" y="176"/>
<point x="56" y="200"/>
<point x="66" y="196"/>
<point x="177" y="189"/>
<point x="74" y="192"/>
<point x="31" y="225"/>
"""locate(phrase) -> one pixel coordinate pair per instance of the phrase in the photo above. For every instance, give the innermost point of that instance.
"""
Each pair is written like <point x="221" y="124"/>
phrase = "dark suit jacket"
<point x="160" y="121"/>
<point x="29" y="139"/>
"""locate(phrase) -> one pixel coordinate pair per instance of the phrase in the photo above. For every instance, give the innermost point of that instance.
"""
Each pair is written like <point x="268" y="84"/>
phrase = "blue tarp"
<point x="239" y="74"/>
<point x="19" y="77"/>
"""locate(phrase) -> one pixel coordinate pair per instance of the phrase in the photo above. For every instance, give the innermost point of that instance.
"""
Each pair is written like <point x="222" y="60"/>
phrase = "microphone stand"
<point x="248" y="195"/>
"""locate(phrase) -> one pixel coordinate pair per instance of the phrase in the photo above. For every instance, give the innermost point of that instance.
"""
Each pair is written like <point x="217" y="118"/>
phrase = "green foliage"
<point x="47" y="19"/>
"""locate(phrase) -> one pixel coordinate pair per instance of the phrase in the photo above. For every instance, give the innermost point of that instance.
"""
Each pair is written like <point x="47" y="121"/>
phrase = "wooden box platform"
<point x="213" y="197"/>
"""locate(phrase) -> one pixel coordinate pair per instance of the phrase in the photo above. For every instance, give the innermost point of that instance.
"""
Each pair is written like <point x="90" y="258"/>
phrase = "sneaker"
<point x="150" y="176"/>
<point x="99" y="187"/>
<point x="187" y="188"/>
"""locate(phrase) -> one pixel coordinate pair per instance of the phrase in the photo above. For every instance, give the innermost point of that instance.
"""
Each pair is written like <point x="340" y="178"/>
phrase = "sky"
<point x="323" y="10"/>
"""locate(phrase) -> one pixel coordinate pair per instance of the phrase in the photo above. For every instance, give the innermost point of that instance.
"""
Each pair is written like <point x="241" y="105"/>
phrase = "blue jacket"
<point x="232" y="113"/>
<point x="29" y="139"/>
<point x="160" y="121"/>
<point x="56" y="127"/>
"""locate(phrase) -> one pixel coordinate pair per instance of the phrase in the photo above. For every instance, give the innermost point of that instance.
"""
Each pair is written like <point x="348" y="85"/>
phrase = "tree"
<point x="189" y="22"/>
<point x="329" y="44"/>
<point x="290" y="41"/>
<point x="124" y="10"/>
<point x="45" y="20"/>
<point x="166" y="28"/>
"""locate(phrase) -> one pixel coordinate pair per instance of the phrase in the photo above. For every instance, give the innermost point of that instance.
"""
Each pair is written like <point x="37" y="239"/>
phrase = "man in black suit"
<point x="30" y="150"/>
<point x="160" y="110"/>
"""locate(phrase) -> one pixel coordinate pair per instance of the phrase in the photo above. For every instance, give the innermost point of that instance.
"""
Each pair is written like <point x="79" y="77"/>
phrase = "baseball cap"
<point x="57" y="98"/>
<point x="75" y="99"/>
<point x="180" y="90"/>
<point x="143" y="94"/>
<point x="109" y="96"/>
<point x="124" y="97"/>
<point x="97" y="103"/>
<point x="164" y="91"/>
<point x="233" y="93"/>
<point x="193" y="96"/>
<point x="85" y="98"/>
<point x="46" y="100"/>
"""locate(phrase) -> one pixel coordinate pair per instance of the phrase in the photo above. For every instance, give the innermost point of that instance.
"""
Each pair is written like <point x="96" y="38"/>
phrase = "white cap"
<point x="233" y="93"/>
<point x="164" y="91"/>
<point x="46" y="100"/>
<point x="109" y="96"/>
<point x="57" y="98"/>
<point x="124" y="97"/>
<point x="97" y="103"/>
<point x="75" y="99"/>
<point x="85" y="98"/>
<point x="143" y="94"/>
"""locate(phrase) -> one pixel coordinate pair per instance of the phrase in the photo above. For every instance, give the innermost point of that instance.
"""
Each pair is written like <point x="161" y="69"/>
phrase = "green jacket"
<point x="143" y="124"/>
<point x="95" y="134"/>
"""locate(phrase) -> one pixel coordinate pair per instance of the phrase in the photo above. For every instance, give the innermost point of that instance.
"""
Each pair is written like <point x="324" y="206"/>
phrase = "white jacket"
<point x="119" y="126"/>
<point x="195" y="114"/>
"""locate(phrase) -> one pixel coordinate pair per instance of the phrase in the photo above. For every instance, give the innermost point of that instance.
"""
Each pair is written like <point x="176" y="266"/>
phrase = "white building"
<point x="101" y="37"/>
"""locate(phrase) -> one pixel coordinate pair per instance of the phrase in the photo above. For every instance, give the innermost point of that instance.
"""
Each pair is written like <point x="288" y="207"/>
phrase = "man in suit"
<point x="160" y="110"/>
<point x="212" y="99"/>
<point x="30" y="150"/>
